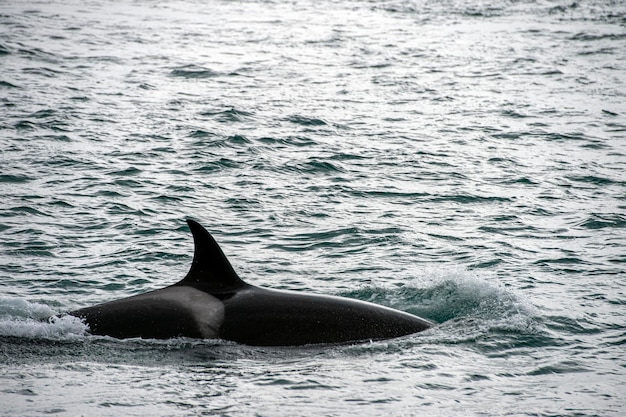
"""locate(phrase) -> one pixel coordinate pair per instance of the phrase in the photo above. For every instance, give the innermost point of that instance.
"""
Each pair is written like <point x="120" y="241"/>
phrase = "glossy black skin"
<point x="264" y="317"/>
<point x="212" y="301"/>
<point x="142" y="316"/>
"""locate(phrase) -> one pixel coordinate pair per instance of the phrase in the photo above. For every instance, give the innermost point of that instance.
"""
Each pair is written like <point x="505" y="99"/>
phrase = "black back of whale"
<point x="213" y="302"/>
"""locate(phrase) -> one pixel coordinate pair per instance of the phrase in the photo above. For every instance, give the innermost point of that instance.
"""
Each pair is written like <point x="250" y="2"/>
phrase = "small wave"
<point x="324" y="238"/>
<point x="569" y="325"/>
<point x="592" y="37"/>
<point x="514" y="114"/>
<point x="130" y="171"/>
<point x="20" y="318"/>
<point x="14" y="179"/>
<point x="316" y="166"/>
<point x="297" y="141"/>
<point x="469" y="199"/>
<point x="562" y="261"/>
<point x="44" y="119"/>
<point x="209" y="139"/>
<point x="7" y="84"/>
<point x="592" y="180"/>
<point x="218" y="165"/>
<point x="306" y="121"/>
<point x="228" y="116"/>
<point x="520" y="181"/>
<point x="199" y="133"/>
<point x="193" y="72"/>
<point x="28" y="210"/>
<point x="609" y="113"/>
<point x="43" y="71"/>
<point x="563" y="367"/>
<point x="42" y="114"/>
<point x="601" y="221"/>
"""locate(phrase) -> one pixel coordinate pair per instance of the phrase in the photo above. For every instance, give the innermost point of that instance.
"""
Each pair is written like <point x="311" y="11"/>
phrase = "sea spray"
<point x="21" y="318"/>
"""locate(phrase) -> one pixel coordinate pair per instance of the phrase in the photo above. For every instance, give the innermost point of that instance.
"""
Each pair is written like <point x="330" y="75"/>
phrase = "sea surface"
<point x="460" y="160"/>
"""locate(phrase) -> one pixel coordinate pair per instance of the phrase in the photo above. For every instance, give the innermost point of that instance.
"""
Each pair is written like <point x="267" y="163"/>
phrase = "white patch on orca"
<point x="207" y="311"/>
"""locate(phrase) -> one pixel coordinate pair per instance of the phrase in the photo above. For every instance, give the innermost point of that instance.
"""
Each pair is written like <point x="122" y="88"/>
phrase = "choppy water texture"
<point x="459" y="160"/>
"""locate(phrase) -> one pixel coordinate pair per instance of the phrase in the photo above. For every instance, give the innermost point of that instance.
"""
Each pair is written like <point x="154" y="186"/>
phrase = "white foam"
<point x="21" y="318"/>
<point x="13" y="306"/>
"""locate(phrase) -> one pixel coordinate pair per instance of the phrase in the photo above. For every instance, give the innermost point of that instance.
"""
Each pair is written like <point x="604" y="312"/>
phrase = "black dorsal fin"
<point x="210" y="270"/>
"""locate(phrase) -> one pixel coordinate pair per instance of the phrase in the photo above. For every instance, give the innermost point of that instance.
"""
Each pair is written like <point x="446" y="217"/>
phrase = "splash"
<point x="20" y="318"/>
<point x="465" y="305"/>
<point x="461" y="294"/>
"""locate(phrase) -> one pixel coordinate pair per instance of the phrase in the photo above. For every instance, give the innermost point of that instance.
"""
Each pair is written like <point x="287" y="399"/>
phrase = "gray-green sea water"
<point x="460" y="160"/>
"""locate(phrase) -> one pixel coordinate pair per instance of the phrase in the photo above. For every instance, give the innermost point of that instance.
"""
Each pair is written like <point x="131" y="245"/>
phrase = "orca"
<point x="212" y="302"/>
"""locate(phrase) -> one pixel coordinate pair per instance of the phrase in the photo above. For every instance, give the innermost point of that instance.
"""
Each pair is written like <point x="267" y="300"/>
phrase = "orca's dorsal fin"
<point x="210" y="270"/>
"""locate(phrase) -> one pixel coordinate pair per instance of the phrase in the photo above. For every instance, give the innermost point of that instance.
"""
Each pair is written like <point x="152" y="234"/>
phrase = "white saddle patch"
<point x="206" y="310"/>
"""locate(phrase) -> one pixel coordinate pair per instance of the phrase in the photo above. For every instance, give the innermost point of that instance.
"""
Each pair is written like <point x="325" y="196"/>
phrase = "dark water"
<point x="460" y="160"/>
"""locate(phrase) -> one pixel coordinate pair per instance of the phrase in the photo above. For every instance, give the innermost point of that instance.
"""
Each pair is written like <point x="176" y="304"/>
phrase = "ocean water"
<point x="460" y="160"/>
